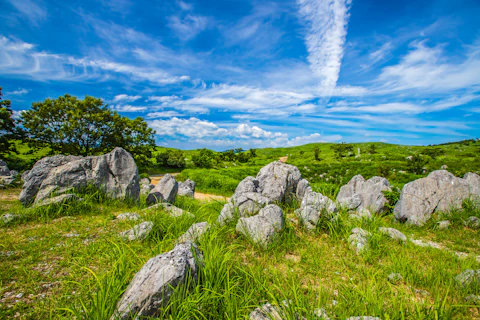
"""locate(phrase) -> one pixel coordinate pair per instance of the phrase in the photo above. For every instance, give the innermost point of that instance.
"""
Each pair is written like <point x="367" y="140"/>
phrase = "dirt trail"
<point x="154" y="179"/>
<point x="284" y="159"/>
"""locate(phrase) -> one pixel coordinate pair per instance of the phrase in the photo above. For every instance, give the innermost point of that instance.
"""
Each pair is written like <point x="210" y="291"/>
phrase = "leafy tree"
<point x="416" y="164"/>
<point x="302" y="152"/>
<point x="8" y="128"/>
<point x="341" y="149"/>
<point x="243" y="157"/>
<point x="204" y="158"/>
<point x="433" y="152"/>
<point x="384" y="170"/>
<point x="176" y="159"/>
<point x="86" y="127"/>
<point x="238" y="150"/>
<point x="253" y="153"/>
<point x="229" y="155"/>
<point x="316" y="153"/>
<point x="372" y="149"/>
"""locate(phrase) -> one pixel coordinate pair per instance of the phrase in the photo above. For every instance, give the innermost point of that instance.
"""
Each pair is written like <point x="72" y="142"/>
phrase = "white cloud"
<point x="128" y="108"/>
<point x="31" y="10"/>
<point x="125" y="98"/>
<point x="19" y="92"/>
<point x="163" y="98"/>
<point x="188" y="27"/>
<point x="327" y="22"/>
<point x="163" y="114"/>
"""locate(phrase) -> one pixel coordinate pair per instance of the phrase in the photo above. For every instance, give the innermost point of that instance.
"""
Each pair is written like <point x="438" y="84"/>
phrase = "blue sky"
<point x="241" y="73"/>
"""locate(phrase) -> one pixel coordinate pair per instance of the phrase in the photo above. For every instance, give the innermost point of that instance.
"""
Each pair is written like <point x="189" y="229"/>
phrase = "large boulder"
<point x="263" y="227"/>
<point x="438" y="192"/>
<point x="153" y="285"/>
<point x="139" y="232"/>
<point x="275" y="183"/>
<point x="361" y="195"/>
<point x="114" y="173"/>
<point x="165" y="191"/>
<point x="187" y="188"/>
<point x="4" y="171"/>
<point x="313" y="206"/>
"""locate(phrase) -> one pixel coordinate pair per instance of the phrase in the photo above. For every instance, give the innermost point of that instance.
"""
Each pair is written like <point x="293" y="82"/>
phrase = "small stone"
<point x="443" y="225"/>
<point x="359" y="239"/>
<point x="395" y="278"/>
<point x="128" y="216"/>
<point x="472" y="298"/>
<point x="393" y="233"/>
<point x="10" y="217"/>
<point x="473" y="222"/>
<point x="320" y="313"/>
<point x="18" y="296"/>
<point x="469" y="277"/>
<point x="194" y="233"/>
<point x="364" y="318"/>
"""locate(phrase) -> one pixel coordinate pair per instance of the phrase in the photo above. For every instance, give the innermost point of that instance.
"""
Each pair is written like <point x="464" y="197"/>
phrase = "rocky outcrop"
<point x="153" y="285"/>
<point x="276" y="182"/>
<point x="114" y="173"/>
<point x="303" y="187"/>
<point x="139" y="232"/>
<point x="361" y="195"/>
<point x="313" y="206"/>
<point x="438" y="192"/>
<point x="165" y="191"/>
<point x="194" y="233"/>
<point x="187" y="188"/>
<point x="263" y="227"/>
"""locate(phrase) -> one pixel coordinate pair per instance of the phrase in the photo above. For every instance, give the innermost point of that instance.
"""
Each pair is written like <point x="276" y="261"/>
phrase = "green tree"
<point x="176" y="159"/>
<point x="342" y="149"/>
<point x="204" y="158"/>
<point x="433" y="152"/>
<point x="8" y="128"/>
<point x="416" y="164"/>
<point x="372" y="149"/>
<point x="253" y="153"/>
<point x="316" y="153"/>
<point x="229" y="155"/>
<point x="86" y="127"/>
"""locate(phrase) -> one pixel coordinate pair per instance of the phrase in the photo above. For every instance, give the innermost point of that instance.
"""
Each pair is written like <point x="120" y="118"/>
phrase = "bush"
<point x="204" y="158"/>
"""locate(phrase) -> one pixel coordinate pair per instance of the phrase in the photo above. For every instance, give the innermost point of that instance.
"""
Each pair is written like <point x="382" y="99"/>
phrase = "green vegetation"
<point x="8" y="127"/>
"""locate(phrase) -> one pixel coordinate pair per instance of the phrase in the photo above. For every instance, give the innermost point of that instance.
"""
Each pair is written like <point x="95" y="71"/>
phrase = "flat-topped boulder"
<point x="114" y="173"/>
<point x="440" y="191"/>
<point x="362" y="195"/>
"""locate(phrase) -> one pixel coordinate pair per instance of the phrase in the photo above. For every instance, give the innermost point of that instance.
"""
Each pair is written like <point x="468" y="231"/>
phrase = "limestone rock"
<point x="359" y="239"/>
<point x="9" y="217"/>
<point x="4" y="171"/>
<point x="64" y="198"/>
<point x="145" y="186"/>
<point x="473" y="222"/>
<point x="139" y="232"/>
<point x="313" y="206"/>
<point x="166" y="190"/>
<point x="443" y="224"/>
<point x="114" y="173"/>
<point x="393" y="233"/>
<point x="438" y="192"/>
<point x="263" y="227"/>
<point x="170" y="209"/>
<point x="364" y="318"/>
<point x="187" y="188"/>
<point x="151" y="288"/>
<point x="361" y="195"/>
<point x="278" y="181"/>
<point x="469" y="277"/>
<point x="303" y="188"/>
<point x="395" y="278"/>
<point x="194" y="233"/>
<point x="267" y="312"/>
<point x="128" y="216"/>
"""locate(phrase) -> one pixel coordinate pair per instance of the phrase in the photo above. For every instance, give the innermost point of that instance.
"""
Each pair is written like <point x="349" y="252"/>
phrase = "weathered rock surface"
<point x="361" y="195"/>
<point x="128" y="216"/>
<point x="359" y="239"/>
<point x="64" y="198"/>
<point x="469" y="277"/>
<point x="145" y="186"/>
<point x="153" y="285"/>
<point x="438" y="192"/>
<point x="303" y="188"/>
<point x="393" y="233"/>
<point x="170" y="209"/>
<point x="443" y="224"/>
<point x="473" y="222"/>
<point x="194" y="233"/>
<point x="114" y="173"/>
<point x="313" y="206"/>
<point x="165" y="191"/>
<point x="4" y="171"/>
<point x="187" y="188"/>
<point x="263" y="227"/>
<point x="9" y="217"/>
<point x="267" y="312"/>
<point x="139" y="232"/>
<point x="276" y="182"/>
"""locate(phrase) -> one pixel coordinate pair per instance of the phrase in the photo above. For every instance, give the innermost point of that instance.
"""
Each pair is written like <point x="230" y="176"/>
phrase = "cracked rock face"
<point x="440" y="191"/>
<point x="165" y="191"/>
<point x="313" y="206"/>
<point x="114" y="173"/>
<point x="194" y="233"/>
<point x="151" y="288"/>
<point x="263" y="227"/>
<point x="64" y="198"/>
<point x="360" y="194"/>
<point x="187" y="188"/>
<point x="139" y="232"/>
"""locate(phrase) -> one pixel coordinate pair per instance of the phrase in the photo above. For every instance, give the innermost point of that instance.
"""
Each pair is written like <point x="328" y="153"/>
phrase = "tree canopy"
<point x="85" y="127"/>
<point x="8" y="126"/>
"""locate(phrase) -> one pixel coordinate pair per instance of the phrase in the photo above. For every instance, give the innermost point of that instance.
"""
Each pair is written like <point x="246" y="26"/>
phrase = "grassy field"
<point x="68" y="262"/>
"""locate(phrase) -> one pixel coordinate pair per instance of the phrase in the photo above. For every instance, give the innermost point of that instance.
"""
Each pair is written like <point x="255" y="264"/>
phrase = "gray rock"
<point x="359" y="239"/>
<point x="320" y="313"/>
<point x="473" y="222"/>
<point x="473" y="299"/>
<point x="361" y="195"/>
<point x="263" y="227"/>
<point x="278" y="181"/>
<point x="249" y="184"/>
<point x="152" y="287"/>
<point x="128" y="216"/>
<point x="194" y="233"/>
<point x="242" y="205"/>
<point x="10" y="217"/>
<point x="440" y="191"/>
<point x="187" y="188"/>
<point x="61" y="199"/>
<point x="267" y="312"/>
<point x="114" y="173"/>
<point x="364" y="318"/>
<point x="4" y="171"/>
<point x="443" y="224"/>
<point x="165" y="191"/>
<point x="25" y="174"/>
<point x="303" y="188"/>
<point x="7" y="180"/>
<point x="139" y="232"/>
<point x="393" y="233"/>
<point x="395" y="278"/>
<point x="145" y="186"/>
<point x="427" y="244"/>
<point x="469" y="277"/>
<point x="170" y="209"/>
<point x="313" y="206"/>
<point x="145" y="181"/>
<point x="444" y="167"/>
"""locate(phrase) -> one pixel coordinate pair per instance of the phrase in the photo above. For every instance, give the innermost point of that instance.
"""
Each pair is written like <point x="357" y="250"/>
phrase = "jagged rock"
<point x="438" y="192"/>
<point x="7" y="180"/>
<point x="278" y="181"/>
<point x="242" y="205"/>
<point x="139" y="232"/>
<point x="303" y="188"/>
<point x="469" y="277"/>
<point x="313" y="206"/>
<point x="267" y="312"/>
<point x="263" y="227"/>
<point x="361" y="195"/>
<point x="64" y="198"/>
<point x="359" y="239"/>
<point x="151" y="288"/>
<point x="170" y="209"/>
<point x="9" y="217"/>
<point x="395" y="278"/>
<point x="25" y="174"/>
<point x="443" y="224"/>
<point x="473" y="222"/>
<point x="393" y="233"/>
<point x="187" y="188"/>
<point x="165" y="191"/>
<point x="114" y="173"/>
<point x="194" y="233"/>
<point x="128" y="216"/>
<point x="4" y="171"/>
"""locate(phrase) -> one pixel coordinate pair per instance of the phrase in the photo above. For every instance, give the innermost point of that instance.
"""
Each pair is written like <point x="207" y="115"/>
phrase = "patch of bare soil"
<point x="156" y="178"/>
<point x="209" y="197"/>
<point x="284" y="159"/>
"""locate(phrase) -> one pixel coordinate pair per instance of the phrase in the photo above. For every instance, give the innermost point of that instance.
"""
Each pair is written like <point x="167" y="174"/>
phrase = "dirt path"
<point x="284" y="159"/>
<point x="154" y="179"/>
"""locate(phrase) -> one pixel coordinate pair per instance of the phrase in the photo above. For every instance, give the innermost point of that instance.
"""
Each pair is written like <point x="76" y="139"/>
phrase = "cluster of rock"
<point x="168" y="188"/>
<point x="7" y="176"/>
<point x="52" y="179"/>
